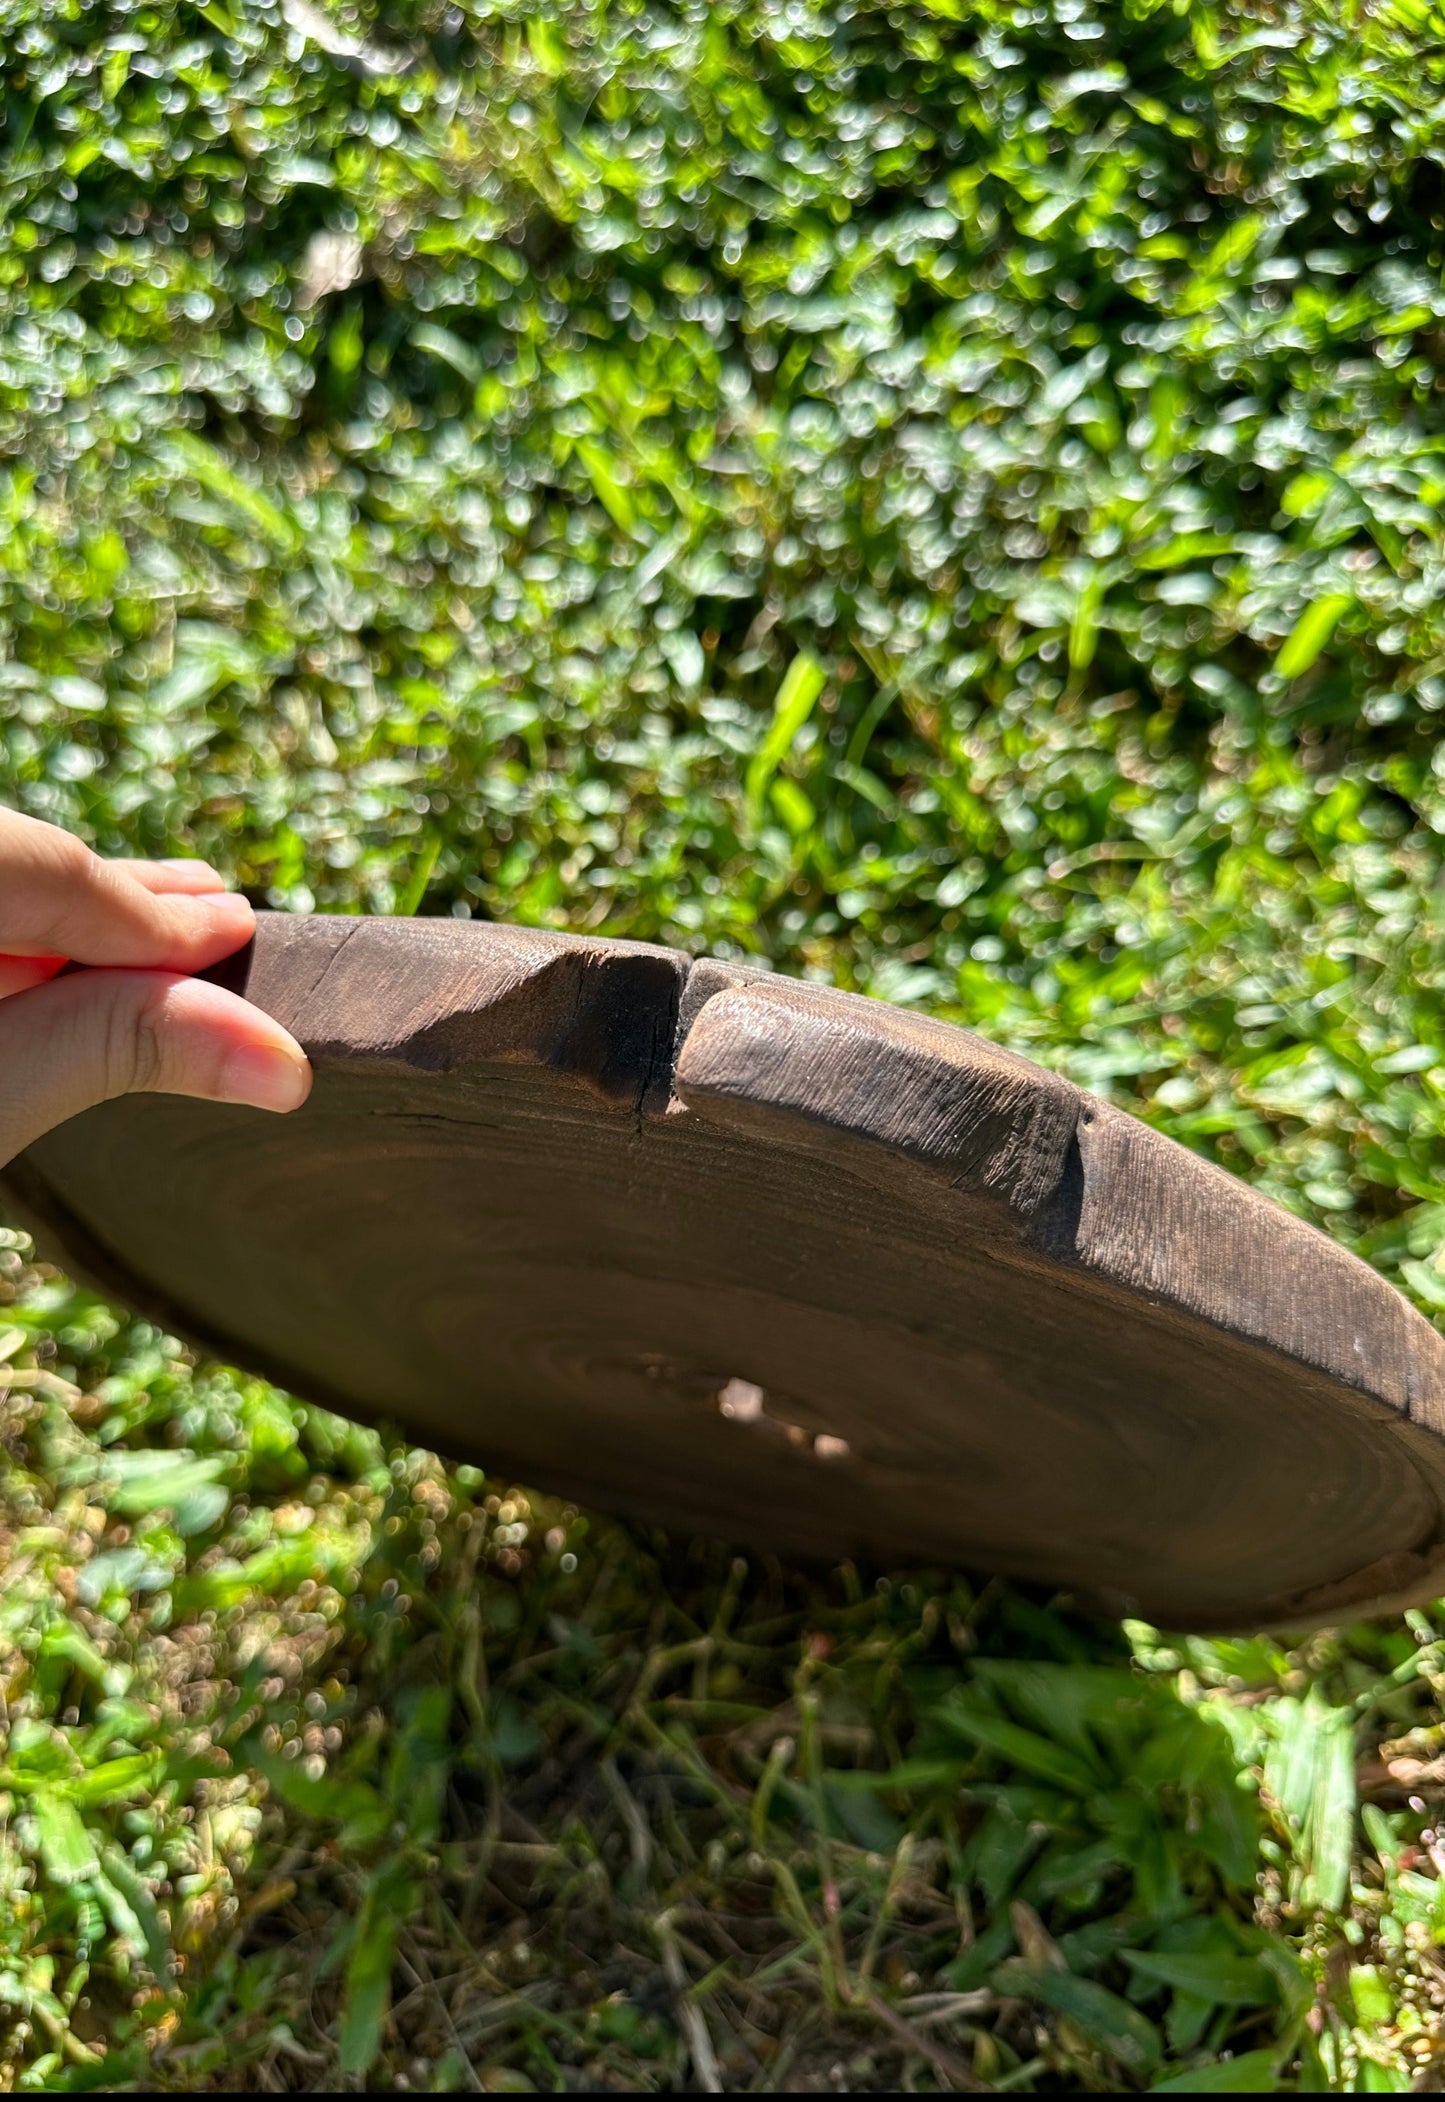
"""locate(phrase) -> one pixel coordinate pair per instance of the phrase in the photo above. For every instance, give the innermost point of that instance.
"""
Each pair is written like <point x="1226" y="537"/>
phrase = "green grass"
<point x="946" y="498"/>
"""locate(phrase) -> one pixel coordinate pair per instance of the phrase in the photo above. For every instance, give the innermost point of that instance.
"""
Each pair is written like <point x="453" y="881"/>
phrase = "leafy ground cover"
<point x="944" y="497"/>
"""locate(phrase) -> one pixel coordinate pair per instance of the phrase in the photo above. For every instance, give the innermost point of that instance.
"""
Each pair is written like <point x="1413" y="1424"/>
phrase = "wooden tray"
<point x="764" y="1260"/>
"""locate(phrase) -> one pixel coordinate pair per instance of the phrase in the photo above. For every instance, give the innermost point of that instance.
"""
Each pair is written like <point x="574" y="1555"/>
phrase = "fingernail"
<point x="224" y="908"/>
<point x="199" y="872"/>
<point x="265" y="1079"/>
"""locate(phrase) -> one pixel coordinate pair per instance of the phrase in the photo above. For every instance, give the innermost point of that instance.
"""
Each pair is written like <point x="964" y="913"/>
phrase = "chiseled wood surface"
<point x="757" y="1258"/>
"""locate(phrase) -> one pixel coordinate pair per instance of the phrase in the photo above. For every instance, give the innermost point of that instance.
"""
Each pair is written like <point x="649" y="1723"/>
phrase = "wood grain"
<point x="757" y="1258"/>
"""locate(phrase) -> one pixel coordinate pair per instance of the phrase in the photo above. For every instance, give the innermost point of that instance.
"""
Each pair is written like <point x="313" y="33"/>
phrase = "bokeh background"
<point x="945" y="498"/>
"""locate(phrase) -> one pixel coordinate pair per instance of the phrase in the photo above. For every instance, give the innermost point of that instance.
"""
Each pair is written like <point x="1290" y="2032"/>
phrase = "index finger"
<point x="59" y="899"/>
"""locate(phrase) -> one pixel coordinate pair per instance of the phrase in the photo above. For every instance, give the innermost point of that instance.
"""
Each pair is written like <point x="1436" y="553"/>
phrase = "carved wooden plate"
<point x="764" y="1260"/>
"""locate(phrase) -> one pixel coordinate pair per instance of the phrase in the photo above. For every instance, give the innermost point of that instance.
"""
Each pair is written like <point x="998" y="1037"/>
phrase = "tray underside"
<point x="756" y="1258"/>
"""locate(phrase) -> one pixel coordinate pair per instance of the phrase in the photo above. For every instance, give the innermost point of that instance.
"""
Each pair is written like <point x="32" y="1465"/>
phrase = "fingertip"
<point x="243" y="1055"/>
<point x="267" y="1076"/>
<point x="176" y="876"/>
<point x="222" y="920"/>
<point x="223" y="907"/>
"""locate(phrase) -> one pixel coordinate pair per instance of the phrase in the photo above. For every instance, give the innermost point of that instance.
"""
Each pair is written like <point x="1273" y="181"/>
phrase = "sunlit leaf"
<point x="67" y="1850"/>
<point x="792" y="705"/>
<point x="1310" y="634"/>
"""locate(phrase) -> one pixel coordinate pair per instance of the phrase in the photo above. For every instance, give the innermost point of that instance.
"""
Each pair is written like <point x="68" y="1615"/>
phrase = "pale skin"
<point x="137" y="1021"/>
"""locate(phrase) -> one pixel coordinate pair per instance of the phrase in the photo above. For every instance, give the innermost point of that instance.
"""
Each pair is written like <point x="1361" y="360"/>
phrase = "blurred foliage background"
<point x="942" y="497"/>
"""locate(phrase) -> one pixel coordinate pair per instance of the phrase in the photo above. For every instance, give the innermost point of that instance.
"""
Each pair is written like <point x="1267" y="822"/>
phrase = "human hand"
<point x="138" y="1023"/>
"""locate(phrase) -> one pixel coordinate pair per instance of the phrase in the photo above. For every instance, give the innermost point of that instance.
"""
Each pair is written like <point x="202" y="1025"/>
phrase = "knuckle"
<point x="134" y="1056"/>
<point x="64" y="876"/>
<point x="64" y="856"/>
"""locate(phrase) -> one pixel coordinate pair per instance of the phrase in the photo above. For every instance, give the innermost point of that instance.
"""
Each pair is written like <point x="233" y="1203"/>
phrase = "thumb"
<point x="92" y="1035"/>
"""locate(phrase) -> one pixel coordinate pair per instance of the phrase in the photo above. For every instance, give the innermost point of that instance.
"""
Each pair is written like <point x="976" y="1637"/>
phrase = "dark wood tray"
<point x="764" y="1260"/>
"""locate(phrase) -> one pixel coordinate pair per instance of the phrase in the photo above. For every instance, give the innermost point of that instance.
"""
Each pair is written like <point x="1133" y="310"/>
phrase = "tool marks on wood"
<point x="422" y="994"/>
